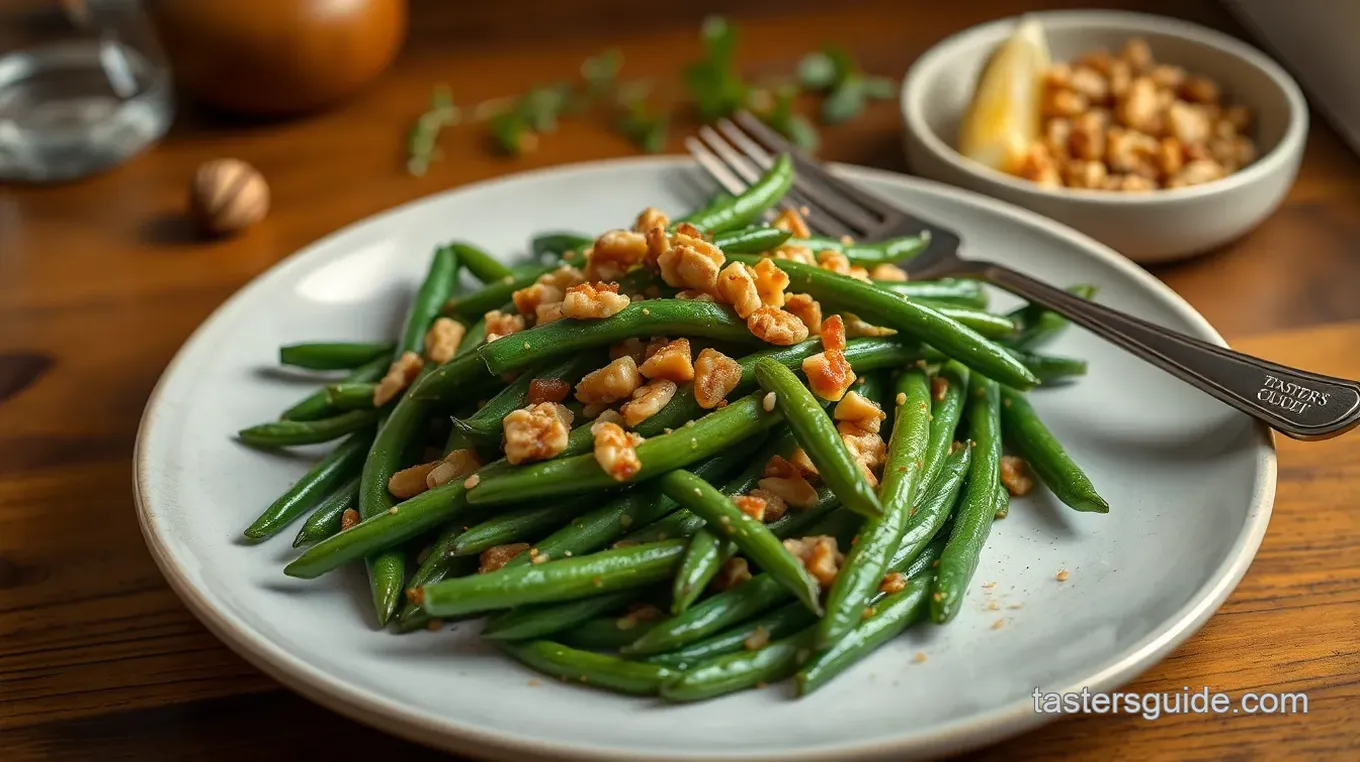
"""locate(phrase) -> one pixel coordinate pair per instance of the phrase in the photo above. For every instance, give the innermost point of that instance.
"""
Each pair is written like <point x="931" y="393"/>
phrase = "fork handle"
<point x="1297" y="403"/>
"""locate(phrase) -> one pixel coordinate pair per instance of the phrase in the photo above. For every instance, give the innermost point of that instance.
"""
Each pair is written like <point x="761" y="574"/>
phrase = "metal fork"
<point x="1297" y="403"/>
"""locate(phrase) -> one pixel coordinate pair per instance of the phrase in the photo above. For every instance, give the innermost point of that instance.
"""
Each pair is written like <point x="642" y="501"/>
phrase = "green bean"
<point x="556" y="244"/>
<point x="315" y="406"/>
<point x="652" y="317"/>
<point x="681" y="523"/>
<point x="341" y="463"/>
<point x="745" y="531"/>
<point x="563" y="580"/>
<point x="450" y="381"/>
<point x="867" y="559"/>
<point x="482" y="265"/>
<point x="1003" y="505"/>
<point x="794" y="522"/>
<point x="780" y="623"/>
<point x="325" y="519"/>
<point x="494" y="295"/>
<point x="863" y="355"/>
<point x="516" y="526"/>
<point x="950" y="389"/>
<point x="485" y="426"/>
<point x="439" y="564"/>
<point x="978" y="508"/>
<point x="528" y="622"/>
<point x="581" y="474"/>
<point x="747" y="207"/>
<point x="739" y="671"/>
<point x="333" y="355"/>
<point x="608" y="672"/>
<point x="711" y="615"/>
<point x="604" y="633"/>
<point x="1037" y="325"/>
<point x="429" y="298"/>
<point x="1046" y="456"/>
<point x="985" y="323"/>
<point x="909" y="317"/>
<point x="818" y="437"/>
<point x="351" y="396"/>
<point x="1051" y="369"/>
<point x="961" y="292"/>
<point x="295" y="433"/>
<point x="751" y="240"/>
<point x="893" y="613"/>
<point x="476" y="333"/>
<point x="869" y="254"/>
<point x="931" y="512"/>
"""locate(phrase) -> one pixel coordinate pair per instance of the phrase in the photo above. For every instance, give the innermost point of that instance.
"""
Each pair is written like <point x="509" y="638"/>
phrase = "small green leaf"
<point x="719" y="38"/>
<point x="511" y="133"/>
<point x="541" y="106"/>
<point x="880" y="88"/>
<point x="817" y="71"/>
<point x="601" y="71"/>
<point x="845" y="102"/>
<point x="646" y="130"/>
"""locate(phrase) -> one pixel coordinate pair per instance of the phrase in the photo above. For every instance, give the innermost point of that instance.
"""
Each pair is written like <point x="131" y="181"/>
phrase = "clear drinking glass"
<point x="83" y="86"/>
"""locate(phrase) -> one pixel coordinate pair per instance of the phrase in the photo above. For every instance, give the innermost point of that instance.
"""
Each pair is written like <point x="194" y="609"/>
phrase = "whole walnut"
<point x="227" y="196"/>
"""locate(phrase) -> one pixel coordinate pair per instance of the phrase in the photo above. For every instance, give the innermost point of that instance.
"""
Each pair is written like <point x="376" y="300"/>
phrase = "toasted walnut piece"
<point x="792" y="488"/>
<point x="1098" y="59"/>
<point x="654" y="345"/>
<point x="793" y="222"/>
<point x="737" y="287"/>
<point x="893" y="582"/>
<point x="457" y="464"/>
<point x="751" y="505"/>
<point x="495" y="557"/>
<point x="759" y="638"/>
<point x="807" y="309"/>
<point x="528" y="299"/>
<point x="410" y="482"/>
<point x="939" y="386"/>
<point x="819" y="555"/>
<point x="1058" y="75"/>
<point x="547" y="313"/>
<point x="833" y="261"/>
<point x="562" y="278"/>
<point x="536" y="432"/>
<point x="671" y="361"/>
<point x="778" y="465"/>
<point x="648" y="401"/>
<point x="593" y="301"/>
<point x="348" y="519"/>
<point x="770" y="283"/>
<point x="631" y="347"/>
<point x="1015" y="475"/>
<point x="856" y="328"/>
<point x="829" y="374"/>
<point x="1199" y="90"/>
<point x="857" y="409"/>
<point x="399" y="376"/>
<point x="614" y="254"/>
<point x="1129" y="150"/>
<point x="501" y="324"/>
<point x="733" y="572"/>
<point x="1090" y="84"/>
<point x="833" y="333"/>
<point x="1084" y="174"/>
<point x="645" y="612"/>
<point x="1233" y="153"/>
<point x="775" y="326"/>
<point x="715" y="376"/>
<point x="1057" y="134"/>
<point x="775" y="507"/>
<point x="615" y="450"/>
<point x="690" y="262"/>
<point x="1188" y="123"/>
<point x="1167" y="77"/>
<point x="1170" y="156"/>
<point x="548" y="390"/>
<point x="1087" y="140"/>
<point x="1138" y="108"/>
<point x="795" y="254"/>
<point x="692" y="295"/>
<point x="889" y="272"/>
<point x="1195" y="173"/>
<point x="1038" y="166"/>
<point x="1130" y="183"/>
<point x="442" y="340"/>
<point x="867" y="447"/>
<point x="1237" y="116"/>
<point x="800" y="459"/>
<point x="609" y="384"/>
<point x="1059" y="101"/>
<point x="651" y="217"/>
<point x="1137" y="54"/>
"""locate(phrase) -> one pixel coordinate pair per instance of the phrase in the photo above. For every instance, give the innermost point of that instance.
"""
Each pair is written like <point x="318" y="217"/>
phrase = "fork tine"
<point x="847" y="211"/>
<point x="811" y="170"/>
<point x="714" y="166"/>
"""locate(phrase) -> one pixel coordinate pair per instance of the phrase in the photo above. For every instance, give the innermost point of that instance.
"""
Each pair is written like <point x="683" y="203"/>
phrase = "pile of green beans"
<point x="669" y="580"/>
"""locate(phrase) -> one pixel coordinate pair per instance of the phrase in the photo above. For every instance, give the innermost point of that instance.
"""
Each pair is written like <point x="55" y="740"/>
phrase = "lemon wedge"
<point x="1004" y="116"/>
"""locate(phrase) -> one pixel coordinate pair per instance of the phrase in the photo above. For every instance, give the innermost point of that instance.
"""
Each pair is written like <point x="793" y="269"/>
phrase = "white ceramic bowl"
<point x="1146" y="227"/>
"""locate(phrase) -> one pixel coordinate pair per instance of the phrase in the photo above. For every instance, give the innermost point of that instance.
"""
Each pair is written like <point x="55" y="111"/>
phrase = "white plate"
<point x="1190" y="484"/>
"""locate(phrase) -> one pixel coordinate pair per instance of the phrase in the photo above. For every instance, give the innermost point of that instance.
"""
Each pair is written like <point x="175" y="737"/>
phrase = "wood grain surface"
<point x="102" y="280"/>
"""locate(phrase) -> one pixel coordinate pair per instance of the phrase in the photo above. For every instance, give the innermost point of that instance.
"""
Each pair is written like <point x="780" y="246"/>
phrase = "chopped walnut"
<point x="349" y="519"/>
<point x="528" y="299"/>
<point x="759" y="638"/>
<point x="410" y="482"/>
<point x="807" y="309"/>
<point x="644" y="612"/>
<point x="868" y="449"/>
<point x="833" y="333"/>
<point x="859" y="410"/>
<point x="536" y="432"/>
<point x="457" y="464"/>
<point x="548" y="390"/>
<point x="593" y="301"/>
<point x="1199" y="90"/>
<point x="562" y="278"/>
<point x="1195" y="173"/>
<point x="648" y="401"/>
<point x="893" y="582"/>
<point x="1090" y="84"/>
<point x="615" y="450"/>
<point x="1167" y="77"/>
<point x="501" y="324"/>
<point x="1130" y="183"/>
<point x="1087" y="138"/>
<point x="733" y="572"/>
<point x="498" y="556"/>
<point x="1232" y="153"/>
<point x="775" y="326"/>
<point x="889" y="272"/>
<point x="751" y="505"/>
<point x="819" y="555"/>
<point x="786" y="481"/>
<point x="1137" y="54"/>
<point x="939" y="386"/>
<point x="1085" y="174"/>
<point x="547" y="313"/>
<point x="770" y="283"/>
<point x="1038" y="166"/>
<point x="614" y="254"/>
<point x="1188" y="123"/>
<point x="834" y="261"/>
<point x="1060" y="102"/>
<point x="671" y="361"/>
<point x="632" y="347"/>
<point x="793" y="222"/>
<point x="715" y="376"/>
<point x="795" y="253"/>
<point x="690" y="262"/>
<point x="1170" y="156"/>
<point x="609" y="384"/>
<point x="442" y="340"/>
<point x="399" y="376"/>
<point x="829" y="374"/>
<point x="856" y="328"/>
<point x="800" y="459"/>
<point x="775" y="507"/>
<point x="651" y="217"/>
<point x="1130" y="151"/>
<point x="737" y="287"/>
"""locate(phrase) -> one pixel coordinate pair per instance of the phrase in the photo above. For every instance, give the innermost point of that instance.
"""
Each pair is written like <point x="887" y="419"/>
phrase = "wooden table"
<point x="101" y="281"/>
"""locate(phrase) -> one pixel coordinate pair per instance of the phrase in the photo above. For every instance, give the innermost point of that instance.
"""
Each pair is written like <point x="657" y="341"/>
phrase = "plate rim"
<point x="449" y="734"/>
